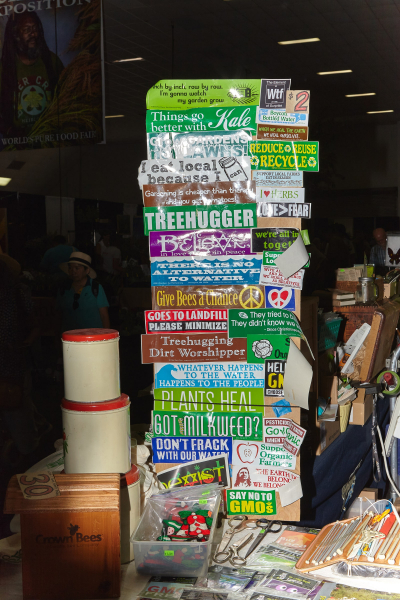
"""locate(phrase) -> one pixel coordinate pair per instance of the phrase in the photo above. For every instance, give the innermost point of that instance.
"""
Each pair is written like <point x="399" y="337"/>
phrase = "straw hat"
<point x="13" y="266"/>
<point x="79" y="258"/>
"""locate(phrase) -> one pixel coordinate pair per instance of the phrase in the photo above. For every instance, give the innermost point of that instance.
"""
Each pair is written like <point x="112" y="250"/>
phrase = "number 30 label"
<point x="38" y="485"/>
<point x="297" y="101"/>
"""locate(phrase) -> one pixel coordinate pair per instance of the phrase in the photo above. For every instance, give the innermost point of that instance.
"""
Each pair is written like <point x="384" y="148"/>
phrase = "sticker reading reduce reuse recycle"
<point x="210" y="270"/>
<point x="208" y="119"/>
<point x="275" y="156"/>
<point x="187" y="170"/>
<point x="193" y="194"/>
<point x="208" y="297"/>
<point x="209" y="375"/>
<point x="179" y="348"/>
<point x="203" y="400"/>
<point x="187" y="449"/>
<point x="210" y="242"/>
<point x="251" y="502"/>
<point x="215" y="424"/>
<point x="173" y="218"/>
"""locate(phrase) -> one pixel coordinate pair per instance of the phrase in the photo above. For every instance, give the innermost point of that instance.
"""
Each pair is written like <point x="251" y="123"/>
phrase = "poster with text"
<point x="51" y="74"/>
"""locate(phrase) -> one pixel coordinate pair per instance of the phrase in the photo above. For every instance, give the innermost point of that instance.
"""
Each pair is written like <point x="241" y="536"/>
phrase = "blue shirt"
<point x="377" y="255"/>
<point x="54" y="257"/>
<point x="87" y="315"/>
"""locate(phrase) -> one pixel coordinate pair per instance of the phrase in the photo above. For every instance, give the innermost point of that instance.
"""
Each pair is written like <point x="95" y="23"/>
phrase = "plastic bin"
<point x="176" y="558"/>
<point x="328" y="334"/>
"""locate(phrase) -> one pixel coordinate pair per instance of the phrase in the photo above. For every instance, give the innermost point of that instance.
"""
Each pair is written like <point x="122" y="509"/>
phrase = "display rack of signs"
<point x="223" y="173"/>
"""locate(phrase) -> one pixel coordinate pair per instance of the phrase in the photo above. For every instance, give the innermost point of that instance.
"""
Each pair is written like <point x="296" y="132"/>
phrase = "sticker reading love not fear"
<point x="203" y="400"/>
<point x="251" y="502"/>
<point x="173" y="218"/>
<point x="241" y="323"/>
<point x="195" y="424"/>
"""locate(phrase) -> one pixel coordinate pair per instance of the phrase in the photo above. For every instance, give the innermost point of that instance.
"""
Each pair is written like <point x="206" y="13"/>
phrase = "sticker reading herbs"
<point x="195" y="424"/>
<point x="272" y="194"/>
<point x="213" y="297"/>
<point x="194" y="347"/>
<point x="278" y="178"/>
<point x="209" y="375"/>
<point x="273" y="238"/>
<point x="192" y="194"/>
<point x="211" y="242"/>
<point x="281" y="132"/>
<point x="175" y="94"/>
<point x="261" y="348"/>
<point x="188" y="170"/>
<point x="186" y="449"/>
<point x="173" y="218"/>
<point x="251" y="502"/>
<point x="273" y="93"/>
<point x="275" y="156"/>
<point x="280" y="117"/>
<point x="181" y="321"/>
<point x="207" y="119"/>
<point x="217" y="270"/>
<point x="203" y="400"/>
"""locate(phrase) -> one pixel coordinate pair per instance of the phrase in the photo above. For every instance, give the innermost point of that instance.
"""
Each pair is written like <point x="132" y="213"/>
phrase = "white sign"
<point x="258" y="454"/>
<point x="294" y="438"/>
<point x="282" y="194"/>
<point x="281" y="117"/>
<point x="273" y="276"/>
<point x="269" y="478"/>
<point x="284" y="209"/>
<point x="278" y="178"/>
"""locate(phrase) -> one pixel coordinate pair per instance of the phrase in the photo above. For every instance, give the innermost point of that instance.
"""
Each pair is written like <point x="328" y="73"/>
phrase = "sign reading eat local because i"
<point x="175" y="94"/>
<point x="275" y="156"/>
<point x="208" y="119"/>
<point x="251" y="502"/>
<point x="241" y="323"/>
<point x="209" y="375"/>
<point x="203" y="400"/>
<point x="215" y="424"/>
<point x="174" y="218"/>
<point x="186" y="449"/>
<point x="213" y="297"/>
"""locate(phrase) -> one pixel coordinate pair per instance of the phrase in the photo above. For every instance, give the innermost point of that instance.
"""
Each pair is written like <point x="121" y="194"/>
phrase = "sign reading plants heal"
<point x="209" y="242"/>
<point x="209" y="375"/>
<point x="257" y="455"/>
<point x="191" y="194"/>
<point x="186" y="449"/>
<point x="265" y="347"/>
<point x="275" y="156"/>
<point x="176" y="347"/>
<point x="198" y="144"/>
<point x="251" y="502"/>
<point x="211" y="270"/>
<point x="173" y="218"/>
<point x="189" y="170"/>
<point x="213" y="297"/>
<point x="180" y="321"/>
<point x="215" y="424"/>
<point x="175" y="94"/>
<point x="203" y="400"/>
<point x="241" y="323"/>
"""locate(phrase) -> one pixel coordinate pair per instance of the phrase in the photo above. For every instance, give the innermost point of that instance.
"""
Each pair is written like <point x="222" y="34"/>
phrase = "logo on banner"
<point x="280" y="298"/>
<point x="243" y="93"/>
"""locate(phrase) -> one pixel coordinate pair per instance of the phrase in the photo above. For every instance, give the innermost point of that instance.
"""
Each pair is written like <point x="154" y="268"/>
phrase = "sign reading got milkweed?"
<point x="286" y="156"/>
<point x="251" y="502"/>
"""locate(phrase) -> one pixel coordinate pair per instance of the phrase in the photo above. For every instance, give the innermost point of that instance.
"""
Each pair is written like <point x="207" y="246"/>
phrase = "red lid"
<point x="120" y="402"/>
<point x="90" y="335"/>
<point x="130" y="477"/>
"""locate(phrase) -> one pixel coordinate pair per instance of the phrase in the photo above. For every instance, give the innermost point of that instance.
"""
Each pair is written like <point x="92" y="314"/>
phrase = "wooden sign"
<point x="197" y="347"/>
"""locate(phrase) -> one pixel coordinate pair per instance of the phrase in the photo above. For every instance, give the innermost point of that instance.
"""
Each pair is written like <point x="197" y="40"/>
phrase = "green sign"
<point x="251" y="502"/>
<point x="242" y="323"/>
<point x="183" y="218"/>
<point x="175" y="94"/>
<point x="208" y="400"/>
<point x="207" y="119"/>
<point x="284" y="156"/>
<point x="269" y="258"/>
<point x="213" y="424"/>
<point x="261" y="348"/>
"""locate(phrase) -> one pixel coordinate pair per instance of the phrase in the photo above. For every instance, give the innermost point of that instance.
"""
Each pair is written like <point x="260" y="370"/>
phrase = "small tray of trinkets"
<point x="176" y="530"/>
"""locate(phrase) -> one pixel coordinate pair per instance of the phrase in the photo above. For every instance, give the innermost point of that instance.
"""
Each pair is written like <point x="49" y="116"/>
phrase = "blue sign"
<point x="279" y="297"/>
<point x="209" y="375"/>
<point x="280" y="117"/>
<point x="188" y="449"/>
<point x="210" y="270"/>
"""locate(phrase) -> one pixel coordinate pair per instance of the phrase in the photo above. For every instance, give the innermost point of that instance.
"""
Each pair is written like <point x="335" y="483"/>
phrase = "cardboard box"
<point x="362" y="408"/>
<point x="370" y="493"/>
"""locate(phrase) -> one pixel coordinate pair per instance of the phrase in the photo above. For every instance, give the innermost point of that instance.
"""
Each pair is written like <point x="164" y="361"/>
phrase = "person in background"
<point x="378" y="252"/>
<point x="55" y="256"/>
<point x="108" y="255"/>
<point x="83" y="303"/>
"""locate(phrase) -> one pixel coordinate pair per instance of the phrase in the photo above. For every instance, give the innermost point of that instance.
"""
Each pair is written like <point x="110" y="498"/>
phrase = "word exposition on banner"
<point x="222" y="154"/>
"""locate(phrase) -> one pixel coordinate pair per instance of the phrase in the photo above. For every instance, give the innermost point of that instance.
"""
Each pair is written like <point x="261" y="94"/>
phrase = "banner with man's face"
<point x="51" y="74"/>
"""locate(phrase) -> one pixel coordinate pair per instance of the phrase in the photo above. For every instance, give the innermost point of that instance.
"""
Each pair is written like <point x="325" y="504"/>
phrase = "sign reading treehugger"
<point x="241" y="323"/>
<point x="276" y="156"/>
<point x="251" y="502"/>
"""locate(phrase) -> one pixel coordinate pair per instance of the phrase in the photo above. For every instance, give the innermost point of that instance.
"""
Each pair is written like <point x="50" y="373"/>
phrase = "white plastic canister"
<point x="91" y="365"/>
<point x="97" y="437"/>
<point x="130" y="511"/>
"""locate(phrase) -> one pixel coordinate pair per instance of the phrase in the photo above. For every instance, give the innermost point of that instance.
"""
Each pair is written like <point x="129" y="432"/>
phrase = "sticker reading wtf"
<point x="295" y="436"/>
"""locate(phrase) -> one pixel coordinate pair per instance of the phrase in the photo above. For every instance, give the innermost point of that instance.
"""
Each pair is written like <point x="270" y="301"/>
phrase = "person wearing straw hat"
<point x="82" y="305"/>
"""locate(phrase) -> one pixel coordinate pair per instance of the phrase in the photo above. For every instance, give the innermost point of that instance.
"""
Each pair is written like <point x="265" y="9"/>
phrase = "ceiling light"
<point x="357" y="95"/>
<point x="375" y="112"/>
<point x="113" y="116"/>
<point x="334" y="72"/>
<point x="4" y="181"/>
<point x="305" y="41"/>
<point x="128" y="59"/>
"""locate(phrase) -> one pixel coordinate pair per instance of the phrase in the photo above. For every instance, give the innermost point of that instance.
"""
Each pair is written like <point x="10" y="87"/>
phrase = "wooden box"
<point x="70" y="543"/>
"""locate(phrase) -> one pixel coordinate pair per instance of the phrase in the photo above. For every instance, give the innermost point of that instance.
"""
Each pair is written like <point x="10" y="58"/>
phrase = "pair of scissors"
<point x="223" y="553"/>
<point x="265" y="526"/>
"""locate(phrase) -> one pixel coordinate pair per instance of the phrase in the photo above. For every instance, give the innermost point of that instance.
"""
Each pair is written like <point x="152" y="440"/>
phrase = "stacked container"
<point x="96" y="418"/>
